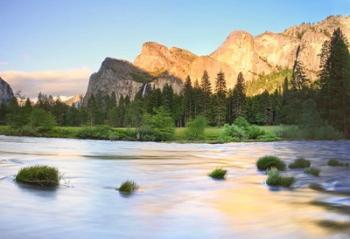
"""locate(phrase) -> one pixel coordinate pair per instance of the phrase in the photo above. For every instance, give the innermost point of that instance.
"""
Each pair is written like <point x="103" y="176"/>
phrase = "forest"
<point x="320" y="109"/>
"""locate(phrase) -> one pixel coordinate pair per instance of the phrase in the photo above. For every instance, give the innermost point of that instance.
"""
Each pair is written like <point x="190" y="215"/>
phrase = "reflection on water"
<point x="176" y="199"/>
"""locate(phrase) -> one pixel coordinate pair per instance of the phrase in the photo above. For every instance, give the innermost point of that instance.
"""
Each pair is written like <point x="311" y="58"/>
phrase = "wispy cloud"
<point x="69" y="82"/>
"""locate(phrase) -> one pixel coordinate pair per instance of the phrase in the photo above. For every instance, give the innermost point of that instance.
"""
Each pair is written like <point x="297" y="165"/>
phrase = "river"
<point x="176" y="198"/>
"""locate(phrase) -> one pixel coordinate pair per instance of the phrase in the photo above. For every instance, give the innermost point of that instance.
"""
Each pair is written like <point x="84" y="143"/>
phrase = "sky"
<point x="53" y="46"/>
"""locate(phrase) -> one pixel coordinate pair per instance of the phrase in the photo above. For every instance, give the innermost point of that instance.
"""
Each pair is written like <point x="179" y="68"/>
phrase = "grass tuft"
<point x="313" y="171"/>
<point x="128" y="187"/>
<point x="268" y="162"/>
<point x="275" y="179"/>
<point x="337" y="163"/>
<point x="218" y="173"/>
<point x="300" y="163"/>
<point x="38" y="175"/>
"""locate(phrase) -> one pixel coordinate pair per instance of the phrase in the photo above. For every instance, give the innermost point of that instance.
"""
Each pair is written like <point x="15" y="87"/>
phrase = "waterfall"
<point x="144" y="88"/>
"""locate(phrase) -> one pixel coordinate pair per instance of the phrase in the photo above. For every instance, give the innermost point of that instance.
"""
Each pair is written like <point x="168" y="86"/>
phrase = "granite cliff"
<point x="6" y="93"/>
<point x="240" y="52"/>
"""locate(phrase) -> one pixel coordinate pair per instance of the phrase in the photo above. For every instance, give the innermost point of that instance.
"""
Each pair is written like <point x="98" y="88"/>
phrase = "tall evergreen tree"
<point x="237" y="99"/>
<point x="188" y="99"/>
<point x="220" y="99"/>
<point x="299" y="80"/>
<point x="206" y="96"/>
<point x="335" y="82"/>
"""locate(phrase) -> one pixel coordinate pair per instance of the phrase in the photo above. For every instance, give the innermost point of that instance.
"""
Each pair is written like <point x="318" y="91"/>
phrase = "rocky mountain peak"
<point x="266" y="53"/>
<point x="6" y="93"/>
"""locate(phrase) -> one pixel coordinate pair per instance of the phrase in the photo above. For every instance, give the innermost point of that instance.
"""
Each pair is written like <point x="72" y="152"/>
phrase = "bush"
<point x="195" y="128"/>
<point x="254" y="132"/>
<point x="241" y="122"/>
<point x="218" y="173"/>
<point x="268" y="162"/>
<point x="275" y="179"/>
<point x="300" y="163"/>
<point x="313" y="171"/>
<point x="128" y="187"/>
<point x="158" y="127"/>
<point x="242" y="130"/>
<point x="98" y="132"/>
<point x="38" y="175"/>
<point x="337" y="163"/>
<point x="42" y="120"/>
<point x="233" y="133"/>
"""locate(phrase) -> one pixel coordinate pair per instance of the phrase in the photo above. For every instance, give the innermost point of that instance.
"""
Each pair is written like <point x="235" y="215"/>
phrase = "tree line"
<point x="322" y="103"/>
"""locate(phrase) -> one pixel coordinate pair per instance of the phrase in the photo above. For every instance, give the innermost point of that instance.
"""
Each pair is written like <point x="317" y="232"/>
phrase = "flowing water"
<point x="176" y="198"/>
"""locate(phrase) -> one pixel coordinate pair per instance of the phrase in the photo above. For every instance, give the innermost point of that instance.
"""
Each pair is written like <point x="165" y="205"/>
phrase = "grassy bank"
<point x="211" y="134"/>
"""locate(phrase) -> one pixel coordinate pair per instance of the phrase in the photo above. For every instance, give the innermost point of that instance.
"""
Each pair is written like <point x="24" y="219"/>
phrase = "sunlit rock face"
<point x="311" y="38"/>
<point x="114" y="76"/>
<point x="240" y="52"/>
<point x="125" y="79"/>
<point x="156" y="58"/>
<point x="6" y="93"/>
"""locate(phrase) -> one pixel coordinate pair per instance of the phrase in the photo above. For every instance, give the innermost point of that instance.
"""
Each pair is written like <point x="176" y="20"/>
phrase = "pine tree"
<point x="168" y="98"/>
<point x="335" y="82"/>
<point x="206" y="94"/>
<point x="197" y="97"/>
<point x="237" y="99"/>
<point x="220" y="99"/>
<point x="188" y="99"/>
<point x="299" y="80"/>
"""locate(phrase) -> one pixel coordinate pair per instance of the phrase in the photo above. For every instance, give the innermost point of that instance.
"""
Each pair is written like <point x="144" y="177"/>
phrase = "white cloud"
<point x="69" y="82"/>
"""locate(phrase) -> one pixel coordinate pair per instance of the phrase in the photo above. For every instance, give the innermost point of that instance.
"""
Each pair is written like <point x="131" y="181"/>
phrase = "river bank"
<point x="211" y="134"/>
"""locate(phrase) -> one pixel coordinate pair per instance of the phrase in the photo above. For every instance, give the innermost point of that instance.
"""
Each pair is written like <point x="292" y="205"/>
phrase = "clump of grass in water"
<point x="313" y="171"/>
<point x="268" y="162"/>
<point x="128" y="187"/>
<point x="39" y="175"/>
<point x="218" y="173"/>
<point x="337" y="163"/>
<point x="275" y="179"/>
<point x="300" y="163"/>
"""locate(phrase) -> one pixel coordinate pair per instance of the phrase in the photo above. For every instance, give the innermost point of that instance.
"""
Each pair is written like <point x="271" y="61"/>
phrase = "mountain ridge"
<point x="254" y="56"/>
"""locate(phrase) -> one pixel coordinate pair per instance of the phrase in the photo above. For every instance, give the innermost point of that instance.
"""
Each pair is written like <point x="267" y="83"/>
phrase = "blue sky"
<point x="78" y="34"/>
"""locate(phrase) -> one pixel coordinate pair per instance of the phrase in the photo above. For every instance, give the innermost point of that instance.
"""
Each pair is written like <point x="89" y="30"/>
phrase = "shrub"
<point x="268" y="162"/>
<point x="300" y="163"/>
<point x="218" y="173"/>
<point x="337" y="163"/>
<point x="195" y="128"/>
<point x="128" y="187"/>
<point x="38" y="175"/>
<point x="106" y="132"/>
<point x="241" y="122"/>
<point x="158" y="127"/>
<point x="42" y="120"/>
<point x="254" y="132"/>
<point x="233" y="133"/>
<point x="313" y="171"/>
<point x="275" y="179"/>
<point x="98" y="132"/>
<point x="242" y="130"/>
